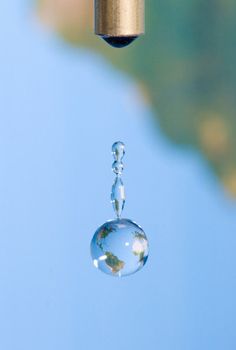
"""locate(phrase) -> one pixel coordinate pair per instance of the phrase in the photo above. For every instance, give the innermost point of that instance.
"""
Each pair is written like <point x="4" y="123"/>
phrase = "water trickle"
<point x="119" y="247"/>
<point x="118" y="188"/>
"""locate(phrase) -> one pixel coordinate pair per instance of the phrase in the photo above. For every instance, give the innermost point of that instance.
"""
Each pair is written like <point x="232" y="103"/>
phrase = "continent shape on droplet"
<point x="119" y="247"/>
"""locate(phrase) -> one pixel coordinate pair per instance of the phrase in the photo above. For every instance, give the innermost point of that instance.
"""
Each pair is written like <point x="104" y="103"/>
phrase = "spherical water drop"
<point x="119" y="247"/>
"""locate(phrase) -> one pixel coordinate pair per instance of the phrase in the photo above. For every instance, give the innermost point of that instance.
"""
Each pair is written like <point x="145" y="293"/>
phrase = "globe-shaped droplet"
<point x="119" y="247"/>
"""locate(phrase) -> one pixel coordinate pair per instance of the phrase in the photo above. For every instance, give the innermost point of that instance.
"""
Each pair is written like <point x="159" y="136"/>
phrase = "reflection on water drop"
<point x="119" y="247"/>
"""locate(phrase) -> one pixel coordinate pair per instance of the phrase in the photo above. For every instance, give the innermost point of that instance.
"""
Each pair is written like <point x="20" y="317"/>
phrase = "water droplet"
<point x="118" y="196"/>
<point x="119" y="247"/>
<point x="117" y="167"/>
<point x="118" y="151"/>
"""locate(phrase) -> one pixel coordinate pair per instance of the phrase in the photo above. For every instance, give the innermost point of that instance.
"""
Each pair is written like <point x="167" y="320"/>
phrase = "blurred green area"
<point x="184" y="65"/>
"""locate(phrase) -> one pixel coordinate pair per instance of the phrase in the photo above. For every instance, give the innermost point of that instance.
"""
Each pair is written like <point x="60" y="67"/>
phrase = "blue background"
<point x="60" y="112"/>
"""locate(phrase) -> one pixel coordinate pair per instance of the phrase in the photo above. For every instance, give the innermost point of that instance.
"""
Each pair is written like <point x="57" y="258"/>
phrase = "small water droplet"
<point x="118" y="151"/>
<point x="117" y="167"/>
<point x="118" y="196"/>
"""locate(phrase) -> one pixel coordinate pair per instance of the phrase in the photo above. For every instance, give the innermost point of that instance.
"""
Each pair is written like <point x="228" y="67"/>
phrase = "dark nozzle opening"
<point x="119" y="41"/>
